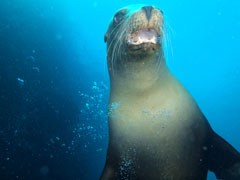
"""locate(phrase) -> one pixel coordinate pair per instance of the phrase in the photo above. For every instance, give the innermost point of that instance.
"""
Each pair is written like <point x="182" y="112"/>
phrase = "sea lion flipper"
<point x="233" y="173"/>
<point x="223" y="159"/>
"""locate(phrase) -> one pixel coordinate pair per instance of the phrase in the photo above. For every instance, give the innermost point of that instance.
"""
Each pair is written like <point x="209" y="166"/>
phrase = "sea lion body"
<point x="159" y="131"/>
<point x="156" y="129"/>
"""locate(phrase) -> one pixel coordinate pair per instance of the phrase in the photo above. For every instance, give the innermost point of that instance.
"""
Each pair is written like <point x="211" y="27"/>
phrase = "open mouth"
<point x="145" y="39"/>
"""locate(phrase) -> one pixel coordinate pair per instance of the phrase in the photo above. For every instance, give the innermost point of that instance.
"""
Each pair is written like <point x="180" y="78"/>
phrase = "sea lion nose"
<point x="148" y="10"/>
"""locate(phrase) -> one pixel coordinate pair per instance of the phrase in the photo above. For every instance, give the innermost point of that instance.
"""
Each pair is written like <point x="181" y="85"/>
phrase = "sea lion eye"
<point x="119" y="16"/>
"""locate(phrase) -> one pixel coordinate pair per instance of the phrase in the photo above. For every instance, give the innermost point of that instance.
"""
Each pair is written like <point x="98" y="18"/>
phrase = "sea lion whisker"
<point x="114" y="38"/>
<point x="113" y="59"/>
<point x="119" y="24"/>
<point x="113" y="30"/>
<point x="116" y="48"/>
<point x="121" y="42"/>
<point x="165" y="41"/>
<point x="168" y="36"/>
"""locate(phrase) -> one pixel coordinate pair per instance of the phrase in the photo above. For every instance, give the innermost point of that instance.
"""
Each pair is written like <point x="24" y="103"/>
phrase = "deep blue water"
<point x="54" y="80"/>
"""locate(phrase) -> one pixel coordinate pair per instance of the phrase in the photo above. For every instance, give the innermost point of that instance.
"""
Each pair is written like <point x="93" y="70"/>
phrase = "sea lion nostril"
<point x="148" y="10"/>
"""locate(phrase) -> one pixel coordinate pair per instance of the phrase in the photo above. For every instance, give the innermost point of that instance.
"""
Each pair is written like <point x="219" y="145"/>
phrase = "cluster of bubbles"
<point x="92" y="126"/>
<point x="126" y="166"/>
<point x="91" y="130"/>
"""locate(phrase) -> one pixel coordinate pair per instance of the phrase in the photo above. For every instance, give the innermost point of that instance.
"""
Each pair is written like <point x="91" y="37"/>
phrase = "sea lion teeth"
<point x="143" y="36"/>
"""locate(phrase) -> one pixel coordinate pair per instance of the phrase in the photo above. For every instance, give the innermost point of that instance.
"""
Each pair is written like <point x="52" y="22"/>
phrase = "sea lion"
<point x="156" y="129"/>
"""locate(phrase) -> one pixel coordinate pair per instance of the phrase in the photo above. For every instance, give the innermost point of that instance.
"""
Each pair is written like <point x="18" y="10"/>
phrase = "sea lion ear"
<point x="105" y="37"/>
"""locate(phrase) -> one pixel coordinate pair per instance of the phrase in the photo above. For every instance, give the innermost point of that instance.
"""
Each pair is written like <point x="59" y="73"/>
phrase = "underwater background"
<point x="54" y="81"/>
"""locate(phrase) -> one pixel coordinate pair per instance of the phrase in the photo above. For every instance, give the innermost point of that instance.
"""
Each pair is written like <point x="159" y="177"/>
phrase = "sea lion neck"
<point x="138" y="77"/>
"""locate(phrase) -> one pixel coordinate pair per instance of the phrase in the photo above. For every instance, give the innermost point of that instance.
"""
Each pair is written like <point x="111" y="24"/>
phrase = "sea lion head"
<point x="135" y="35"/>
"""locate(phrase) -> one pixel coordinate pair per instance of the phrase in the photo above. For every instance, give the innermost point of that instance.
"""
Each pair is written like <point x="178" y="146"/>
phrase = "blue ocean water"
<point x="54" y="82"/>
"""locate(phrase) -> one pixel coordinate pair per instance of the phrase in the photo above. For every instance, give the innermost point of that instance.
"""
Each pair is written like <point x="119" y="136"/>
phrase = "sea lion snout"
<point x="145" y="31"/>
